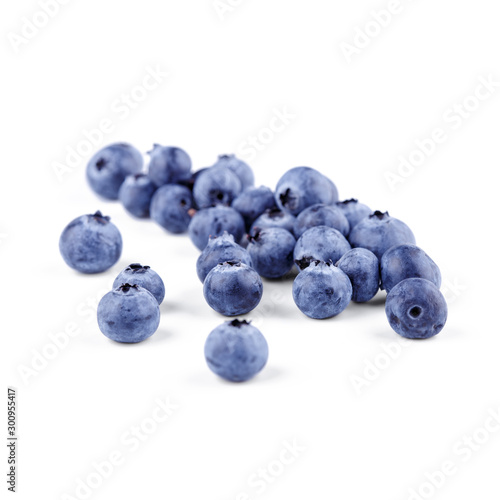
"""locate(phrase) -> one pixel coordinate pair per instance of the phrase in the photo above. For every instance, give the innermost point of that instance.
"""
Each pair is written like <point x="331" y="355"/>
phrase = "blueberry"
<point x="108" y="168"/>
<point x="216" y="185"/>
<point x="128" y="314"/>
<point x="407" y="261"/>
<point x="91" y="243"/>
<point x="302" y="187"/>
<point x="236" y="351"/>
<point x="378" y="232"/>
<point x="136" y="193"/>
<point x="274" y="217"/>
<point x="168" y="165"/>
<point x="271" y="251"/>
<point x="171" y="206"/>
<point x="232" y="288"/>
<point x="213" y="222"/>
<point x="354" y="211"/>
<point x="253" y="202"/>
<point x="321" y="215"/>
<point x="416" y="309"/>
<point x="239" y="167"/>
<point x="362" y="267"/>
<point x="220" y="249"/>
<point x="144" y="276"/>
<point x="320" y="243"/>
<point x="322" y="290"/>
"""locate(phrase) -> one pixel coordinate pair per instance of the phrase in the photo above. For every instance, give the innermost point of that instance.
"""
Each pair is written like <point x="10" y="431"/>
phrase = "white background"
<point x="351" y="121"/>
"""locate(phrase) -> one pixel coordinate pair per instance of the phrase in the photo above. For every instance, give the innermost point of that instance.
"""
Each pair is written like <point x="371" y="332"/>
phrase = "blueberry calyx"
<point x="101" y="163"/>
<point x="379" y="215"/>
<point x="232" y="263"/>
<point x="238" y="324"/>
<point x="226" y="157"/>
<point x="275" y="212"/>
<point x="140" y="175"/>
<point x="103" y="219"/>
<point x="125" y="288"/>
<point x="415" y="312"/>
<point x="346" y="202"/>
<point x="137" y="268"/>
<point x="255" y="236"/>
<point x="288" y="199"/>
<point x="304" y="262"/>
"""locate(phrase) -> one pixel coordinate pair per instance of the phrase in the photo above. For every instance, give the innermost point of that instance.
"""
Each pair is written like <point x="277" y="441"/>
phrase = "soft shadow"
<point x="207" y="378"/>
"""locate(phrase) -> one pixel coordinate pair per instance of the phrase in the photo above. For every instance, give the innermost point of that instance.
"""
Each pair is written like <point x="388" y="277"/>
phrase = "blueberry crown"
<point x="126" y="287"/>
<point x="137" y="268"/>
<point x="379" y="215"/>
<point x="275" y="212"/>
<point x="346" y="202"/>
<point x="226" y="157"/>
<point x="238" y="324"/>
<point x="98" y="217"/>
<point x="232" y="263"/>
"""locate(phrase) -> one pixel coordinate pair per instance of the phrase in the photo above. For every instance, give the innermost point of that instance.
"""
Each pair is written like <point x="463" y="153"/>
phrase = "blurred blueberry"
<point x="378" y="232"/>
<point x="322" y="290"/>
<point x="271" y="251"/>
<point x="236" y="351"/>
<point x="109" y="167"/>
<point x="407" y="261"/>
<point x="128" y="314"/>
<point x="320" y="243"/>
<point x="321" y="215"/>
<point x="136" y="193"/>
<point x="232" y="288"/>
<point x="220" y="249"/>
<point x="170" y="207"/>
<point x="91" y="243"/>
<point x="168" y="165"/>
<point x="253" y="202"/>
<point x="302" y="187"/>
<point x="416" y="309"/>
<point x="213" y="222"/>
<point x="239" y="167"/>
<point x="216" y="185"/>
<point x="144" y="276"/>
<point x="354" y="211"/>
<point x="362" y="267"/>
<point x="274" y="217"/>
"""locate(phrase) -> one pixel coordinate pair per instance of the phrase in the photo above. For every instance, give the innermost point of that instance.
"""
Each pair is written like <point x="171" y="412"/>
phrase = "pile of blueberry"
<point x="341" y="250"/>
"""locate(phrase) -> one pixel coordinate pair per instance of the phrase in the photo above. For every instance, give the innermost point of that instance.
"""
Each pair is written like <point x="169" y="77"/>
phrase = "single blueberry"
<point x="271" y="251"/>
<point x="320" y="243"/>
<point x="322" y="290"/>
<point x="236" y="351"/>
<point x="301" y="187"/>
<point x="91" y="243"/>
<point x="354" y="211"/>
<point x="220" y="249"/>
<point x="253" y="202"/>
<point x="321" y="215"/>
<point x="128" y="314"/>
<point x="378" y="232"/>
<point x="239" y="167"/>
<point x="109" y="167"/>
<point x="144" y="276"/>
<point x="171" y="207"/>
<point x="216" y="185"/>
<point x="136" y="193"/>
<point x="407" y="261"/>
<point x="416" y="309"/>
<point x="232" y="288"/>
<point x="168" y="165"/>
<point x="274" y="217"/>
<point x="362" y="267"/>
<point x="213" y="222"/>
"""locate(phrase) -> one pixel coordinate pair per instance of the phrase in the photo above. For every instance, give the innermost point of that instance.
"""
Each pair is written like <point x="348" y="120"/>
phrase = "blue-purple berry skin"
<point x="253" y="202"/>
<point x="416" y="309"/>
<point x="362" y="268"/>
<point x="220" y="249"/>
<point x="273" y="217"/>
<point x="168" y="165"/>
<point x="91" y="243"/>
<point x="322" y="290"/>
<point x="321" y="215"/>
<point x="407" y="261"/>
<point x="136" y="193"/>
<point x="232" y="288"/>
<point x="107" y="169"/>
<point x="378" y="232"/>
<point x="354" y="211"/>
<point x="144" y="276"/>
<point x="320" y="243"/>
<point x="214" y="221"/>
<point x="239" y="167"/>
<point x="217" y="185"/>
<point x="236" y="351"/>
<point x="171" y="207"/>
<point x="128" y="314"/>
